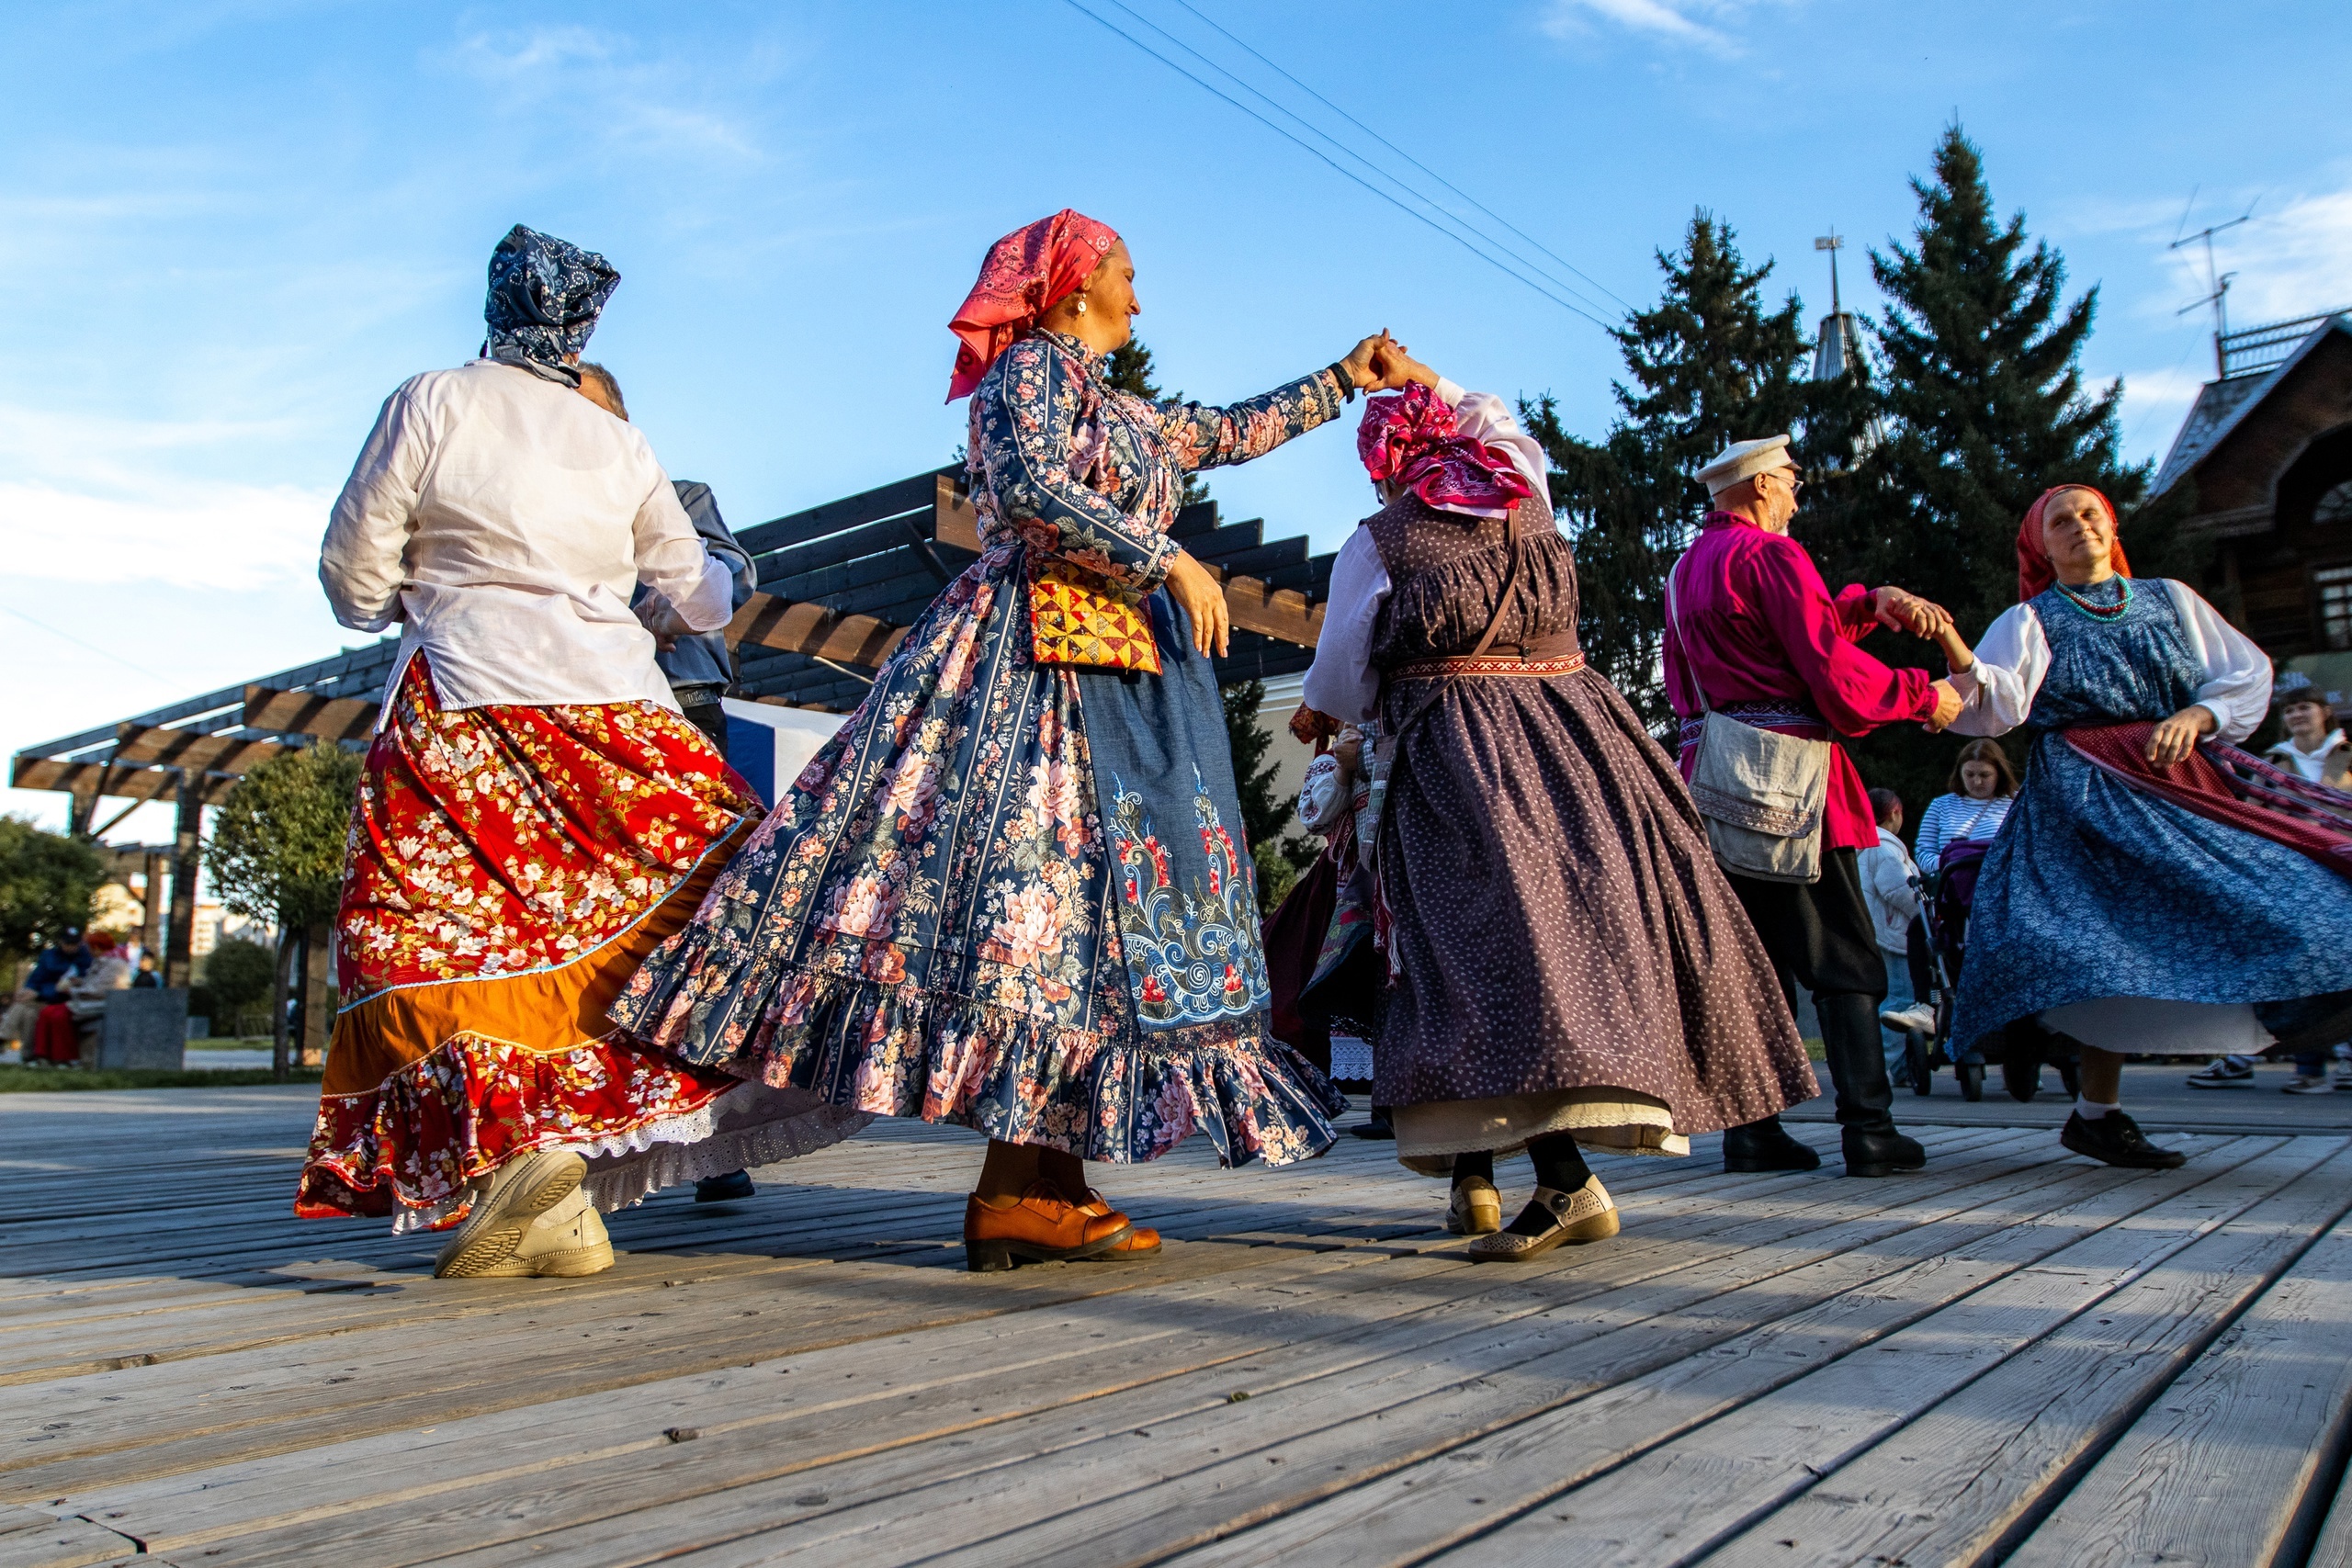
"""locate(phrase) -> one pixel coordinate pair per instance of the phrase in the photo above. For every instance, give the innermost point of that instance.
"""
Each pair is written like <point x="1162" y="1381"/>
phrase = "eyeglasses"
<point x="1789" y="478"/>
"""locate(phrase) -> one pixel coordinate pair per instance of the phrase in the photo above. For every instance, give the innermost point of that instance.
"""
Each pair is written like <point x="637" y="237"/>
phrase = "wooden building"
<point x="2266" y="457"/>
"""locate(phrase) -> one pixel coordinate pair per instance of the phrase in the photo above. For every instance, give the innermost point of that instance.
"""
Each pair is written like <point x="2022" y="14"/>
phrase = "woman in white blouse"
<point x="2135" y="900"/>
<point x="535" y="814"/>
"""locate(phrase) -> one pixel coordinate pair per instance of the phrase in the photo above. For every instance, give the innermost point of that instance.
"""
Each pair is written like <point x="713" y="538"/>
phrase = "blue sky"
<point x="227" y="230"/>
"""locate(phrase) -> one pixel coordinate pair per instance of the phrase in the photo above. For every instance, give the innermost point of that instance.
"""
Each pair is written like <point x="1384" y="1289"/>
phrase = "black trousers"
<point x="1818" y="935"/>
<point x="711" y="719"/>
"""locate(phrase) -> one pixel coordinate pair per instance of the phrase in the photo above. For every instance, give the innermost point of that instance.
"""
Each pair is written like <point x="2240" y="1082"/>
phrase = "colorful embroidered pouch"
<point x="1077" y="618"/>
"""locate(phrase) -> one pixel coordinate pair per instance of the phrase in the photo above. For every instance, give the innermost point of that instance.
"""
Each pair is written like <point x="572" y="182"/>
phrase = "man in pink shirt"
<point x="1756" y="634"/>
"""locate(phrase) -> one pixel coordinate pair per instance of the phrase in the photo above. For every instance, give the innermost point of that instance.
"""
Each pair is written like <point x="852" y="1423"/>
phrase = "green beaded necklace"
<point x="2100" y="612"/>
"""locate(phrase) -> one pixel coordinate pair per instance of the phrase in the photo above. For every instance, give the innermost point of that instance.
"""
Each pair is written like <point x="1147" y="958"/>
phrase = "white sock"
<point x="2091" y="1109"/>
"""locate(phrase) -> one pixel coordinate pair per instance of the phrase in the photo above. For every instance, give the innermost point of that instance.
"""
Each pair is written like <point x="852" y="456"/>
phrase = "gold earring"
<point x="1081" y="304"/>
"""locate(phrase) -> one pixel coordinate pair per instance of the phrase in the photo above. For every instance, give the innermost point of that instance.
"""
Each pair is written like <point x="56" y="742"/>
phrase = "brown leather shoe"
<point x="1042" y="1227"/>
<point x="1142" y="1241"/>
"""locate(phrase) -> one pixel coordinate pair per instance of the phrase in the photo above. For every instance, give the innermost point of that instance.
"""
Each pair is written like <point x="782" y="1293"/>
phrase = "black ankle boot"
<point x="1766" y="1145"/>
<point x="1881" y="1151"/>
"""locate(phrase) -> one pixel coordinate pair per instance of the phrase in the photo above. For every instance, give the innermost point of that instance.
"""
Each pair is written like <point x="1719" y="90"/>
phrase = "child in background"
<point x="1891" y="890"/>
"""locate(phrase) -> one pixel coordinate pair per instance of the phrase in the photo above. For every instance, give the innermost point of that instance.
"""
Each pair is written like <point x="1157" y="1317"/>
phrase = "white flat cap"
<point x="1742" y="460"/>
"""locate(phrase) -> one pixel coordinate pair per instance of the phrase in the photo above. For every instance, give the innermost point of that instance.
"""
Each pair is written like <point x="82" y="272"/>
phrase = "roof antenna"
<point x="2217" y="284"/>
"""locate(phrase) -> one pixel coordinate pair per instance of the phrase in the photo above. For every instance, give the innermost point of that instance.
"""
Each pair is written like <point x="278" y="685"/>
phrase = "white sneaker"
<point x="518" y="1193"/>
<point x="568" y="1242"/>
<point x="2223" y="1072"/>
<point x="1916" y="1019"/>
<point x="2302" y="1085"/>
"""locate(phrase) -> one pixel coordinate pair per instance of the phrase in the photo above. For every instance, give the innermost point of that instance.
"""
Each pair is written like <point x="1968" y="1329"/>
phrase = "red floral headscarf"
<point x="2034" y="571"/>
<point x="1026" y="274"/>
<point x="1411" y="441"/>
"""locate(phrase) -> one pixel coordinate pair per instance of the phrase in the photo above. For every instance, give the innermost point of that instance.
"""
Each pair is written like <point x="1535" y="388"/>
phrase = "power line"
<point x="1376" y="135"/>
<point x="1346" y="151"/>
<point x="89" y="646"/>
<point x="1212" y="88"/>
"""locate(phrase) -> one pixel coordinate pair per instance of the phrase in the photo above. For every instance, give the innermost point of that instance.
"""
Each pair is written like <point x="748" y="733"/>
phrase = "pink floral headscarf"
<point x="1025" y="274"/>
<point x="1412" y="441"/>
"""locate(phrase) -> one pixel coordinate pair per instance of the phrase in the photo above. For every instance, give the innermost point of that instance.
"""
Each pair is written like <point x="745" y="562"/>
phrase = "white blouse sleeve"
<point x="2237" y="673"/>
<point x="1487" y="418"/>
<point x="2010" y="663"/>
<point x="1341" y="681"/>
<point x="361" y="561"/>
<point x="693" y="590"/>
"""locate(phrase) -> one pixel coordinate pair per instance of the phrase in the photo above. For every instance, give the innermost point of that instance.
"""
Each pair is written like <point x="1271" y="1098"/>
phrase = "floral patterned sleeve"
<point x="1200" y="435"/>
<point x="1022" y="431"/>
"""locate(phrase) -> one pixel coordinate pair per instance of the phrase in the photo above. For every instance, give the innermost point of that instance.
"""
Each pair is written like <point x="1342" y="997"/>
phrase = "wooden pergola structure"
<point x="839" y="583"/>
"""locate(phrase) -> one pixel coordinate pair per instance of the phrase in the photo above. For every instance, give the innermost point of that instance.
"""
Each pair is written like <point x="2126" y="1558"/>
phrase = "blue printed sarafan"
<point x="938" y="919"/>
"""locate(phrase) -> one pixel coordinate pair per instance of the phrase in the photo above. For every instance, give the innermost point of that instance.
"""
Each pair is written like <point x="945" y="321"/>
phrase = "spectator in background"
<point x="109" y="972"/>
<point x="2311" y="738"/>
<point x="146" y="978"/>
<point x="698" y="665"/>
<point x="1982" y="786"/>
<point x="1891" y="890"/>
<point x="52" y="1040"/>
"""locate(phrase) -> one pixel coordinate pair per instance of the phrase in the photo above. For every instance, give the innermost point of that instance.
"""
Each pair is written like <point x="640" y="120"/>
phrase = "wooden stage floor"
<point x="2015" y="1356"/>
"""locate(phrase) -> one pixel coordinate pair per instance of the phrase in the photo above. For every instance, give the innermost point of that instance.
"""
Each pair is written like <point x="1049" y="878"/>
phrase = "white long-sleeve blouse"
<point x="2015" y="656"/>
<point x="1341" y="681"/>
<point x="506" y="521"/>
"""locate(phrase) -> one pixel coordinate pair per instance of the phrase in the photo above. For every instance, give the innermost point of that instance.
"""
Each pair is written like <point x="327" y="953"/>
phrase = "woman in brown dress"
<point x="1566" y="965"/>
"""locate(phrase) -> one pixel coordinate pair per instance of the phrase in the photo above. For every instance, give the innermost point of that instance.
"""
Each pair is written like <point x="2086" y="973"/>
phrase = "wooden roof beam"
<point x="187" y="749"/>
<point x="766" y="621"/>
<point x="306" y="713"/>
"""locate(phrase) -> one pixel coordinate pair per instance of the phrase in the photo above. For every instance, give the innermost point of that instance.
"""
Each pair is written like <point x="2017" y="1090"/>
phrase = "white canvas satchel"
<point x="1762" y="794"/>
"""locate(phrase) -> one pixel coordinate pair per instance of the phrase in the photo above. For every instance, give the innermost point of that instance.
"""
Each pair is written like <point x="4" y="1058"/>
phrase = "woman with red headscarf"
<point x="1566" y="965"/>
<point x="1012" y="893"/>
<point x="2155" y="890"/>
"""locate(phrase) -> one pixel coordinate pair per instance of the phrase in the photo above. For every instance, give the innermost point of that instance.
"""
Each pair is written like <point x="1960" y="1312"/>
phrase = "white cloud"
<point x="2291" y="262"/>
<point x="98" y="500"/>
<point x="1691" y="22"/>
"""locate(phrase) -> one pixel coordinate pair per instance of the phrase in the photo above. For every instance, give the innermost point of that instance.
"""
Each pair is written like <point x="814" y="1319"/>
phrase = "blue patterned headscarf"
<point x="545" y="294"/>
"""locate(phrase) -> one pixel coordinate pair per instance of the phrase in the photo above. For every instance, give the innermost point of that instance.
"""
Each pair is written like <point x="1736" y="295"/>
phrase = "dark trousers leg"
<point x="1818" y="936"/>
<point x="711" y="719"/>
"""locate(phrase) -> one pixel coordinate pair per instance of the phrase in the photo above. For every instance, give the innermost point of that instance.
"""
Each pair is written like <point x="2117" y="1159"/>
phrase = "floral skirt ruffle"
<point x="893" y="1050"/>
<point x="509" y="868"/>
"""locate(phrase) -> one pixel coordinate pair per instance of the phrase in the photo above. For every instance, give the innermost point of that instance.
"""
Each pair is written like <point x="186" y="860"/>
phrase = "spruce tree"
<point x="1707" y="365"/>
<point x="1980" y="383"/>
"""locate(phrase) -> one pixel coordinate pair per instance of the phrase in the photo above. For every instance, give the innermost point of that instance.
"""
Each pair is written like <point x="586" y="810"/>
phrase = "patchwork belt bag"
<point x="1079" y="617"/>
<point x="1762" y="794"/>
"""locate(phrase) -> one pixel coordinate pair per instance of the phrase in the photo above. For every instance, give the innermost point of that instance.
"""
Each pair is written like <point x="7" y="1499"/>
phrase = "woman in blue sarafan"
<point x="2155" y="890"/>
<point x="1013" y="894"/>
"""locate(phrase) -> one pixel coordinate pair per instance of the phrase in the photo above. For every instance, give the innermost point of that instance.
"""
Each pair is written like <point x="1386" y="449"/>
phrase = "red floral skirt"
<point x="509" y="867"/>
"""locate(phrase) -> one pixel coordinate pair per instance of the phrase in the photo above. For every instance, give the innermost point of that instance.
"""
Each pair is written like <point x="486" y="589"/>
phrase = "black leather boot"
<point x="1849" y="1039"/>
<point x="1766" y="1145"/>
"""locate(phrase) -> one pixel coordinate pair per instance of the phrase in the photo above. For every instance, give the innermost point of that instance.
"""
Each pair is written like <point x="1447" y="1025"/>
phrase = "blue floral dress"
<point x="2092" y="889"/>
<point x="1011" y="895"/>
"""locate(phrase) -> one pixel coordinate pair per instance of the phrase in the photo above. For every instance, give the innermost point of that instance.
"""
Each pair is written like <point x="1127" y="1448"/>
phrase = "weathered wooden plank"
<point x="32" y="1537"/>
<point x="1499" y="1462"/>
<point x="1981" y="1468"/>
<point x="2164" y="1288"/>
<point x="1381" y="1302"/>
<point x="1354" y="1379"/>
<point x="81" y="778"/>
<point x="307" y="713"/>
<point x="2226" y="1468"/>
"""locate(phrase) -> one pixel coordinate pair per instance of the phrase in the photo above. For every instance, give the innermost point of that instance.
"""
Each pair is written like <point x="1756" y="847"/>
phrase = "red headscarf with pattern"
<point x="2034" y="571"/>
<point x="1026" y="274"/>
<point x="1411" y="441"/>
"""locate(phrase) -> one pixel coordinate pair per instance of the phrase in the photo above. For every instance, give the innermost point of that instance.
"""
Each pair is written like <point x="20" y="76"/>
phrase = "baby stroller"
<point x="1940" y="938"/>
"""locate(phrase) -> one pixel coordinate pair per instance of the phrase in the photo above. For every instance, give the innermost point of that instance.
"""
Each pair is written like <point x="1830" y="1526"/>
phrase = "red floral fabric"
<point x="508" y="868"/>
<point x="1024" y="276"/>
